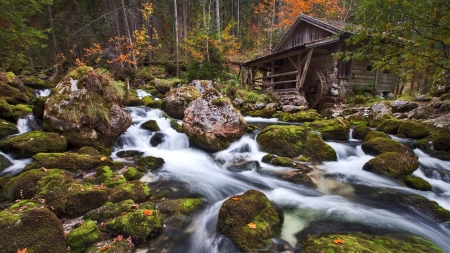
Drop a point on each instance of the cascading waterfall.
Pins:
(337, 197)
(43, 92)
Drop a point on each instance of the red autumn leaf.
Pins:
(25, 250)
(148, 212)
(339, 241)
(235, 198)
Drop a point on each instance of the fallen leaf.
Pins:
(235, 198)
(105, 247)
(251, 225)
(25, 250)
(148, 212)
(103, 158)
(339, 241)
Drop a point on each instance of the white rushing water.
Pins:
(23, 125)
(337, 197)
(43, 92)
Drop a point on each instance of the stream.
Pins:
(346, 198)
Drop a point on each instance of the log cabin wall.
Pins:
(364, 78)
(302, 34)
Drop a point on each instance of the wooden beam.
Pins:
(277, 75)
(280, 82)
(293, 63)
(305, 69)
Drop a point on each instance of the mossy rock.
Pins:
(4, 162)
(416, 183)
(267, 112)
(292, 141)
(331, 129)
(110, 210)
(84, 198)
(441, 140)
(394, 164)
(177, 100)
(135, 190)
(35, 82)
(83, 236)
(108, 178)
(175, 126)
(180, 207)
(111, 246)
(283, 162)
(139, 225)
(163, 86)
(251, 128)
(71, 161)
(129, 153)
(31, 143)
(357, 242)
(149, 163)
(377, 146)
(302, 116)
(28, 225)
(12, 95)
(151, 125)
(360, 132)
(132, 174)
(7, 128)
(5, 109)
(376, 134)
(428, 207)
(413, 130)
(268, 158)
(19, 111)
(389, 126)
(151, 102)
(249, 220)
(88, 151)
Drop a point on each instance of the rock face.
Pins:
(212, 122)
(201, 85)
(86, 108)
(31, 143)
(402, 106)
(249, 220)
(177, 100)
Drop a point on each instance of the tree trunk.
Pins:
(128, 32)
(176, 34)
(238, 18)
(218, 18)
(55, 52)
(185, 17)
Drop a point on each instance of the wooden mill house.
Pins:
(302, 62)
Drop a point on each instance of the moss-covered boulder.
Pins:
(389, 126)
(175, 126)
(267, 158)
(267, 111)
(24, 184)
(331, 129)
(31, 143)
(151, 102)
(163, 86)
(292, 141)
(71, 161)
(86, 107)
(416, 183)
(426, 206)
(5, 162)
(413, 130)
(151, 125)
(360, 132)
(12, 95)
(376, 134)
(139, 225)
(177, 100)
(357, 242)
(5, 109)
(394, 164)
(180, 207)
(29, 225)
(135, 190)
(130, 153)
(35, 82)
(110, 210)
(249, 220)
(301, 116)
(7, 128)
(112, 246)
(283, 162)
(441, 140)
(377, 146)
(108, 178)
(150, 163)
(83, 236)
(132, 174)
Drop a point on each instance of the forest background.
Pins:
(203, 38)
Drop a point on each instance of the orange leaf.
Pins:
(148, 212)
(103, 158)
(235, 198)
(25, 250)
(105, 247)
(339, 241)
(119, 238)
(251, 225)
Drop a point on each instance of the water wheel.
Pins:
(315, 87)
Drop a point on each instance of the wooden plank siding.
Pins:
(303, 34)
(362, 77)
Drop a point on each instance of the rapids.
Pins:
(346, 196)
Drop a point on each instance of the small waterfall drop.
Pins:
(43, 92)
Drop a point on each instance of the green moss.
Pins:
(135, 190)
(110, 210)
(329, 129)
(413, 130)
(360, 132)
(12, 95)
(283, 162)
(268, 158)
(149, 163)
(446, 96)
(302, 116)
(394, 164)
(31, 143)
(250, 207)
(219, 101)
(7, 128)
(132, 174)
(151, 125)
(151, 102)
(23, 185)
(138, 225)
(377, 146)
(416, 183)
(268, 111)
(83, 198)
(389, 126)
(34, 228)
(376, 134)
(175, 126)
(180, 207)
(83, 236)
(108, 178)
(35, 82)
(18, 111)
(80, 71)
(164, 86)
(441, 140)
(5, 109)
(356, 242)
(292, 141)
(88, 151)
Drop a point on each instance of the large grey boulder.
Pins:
(177, 100)
(402, 106)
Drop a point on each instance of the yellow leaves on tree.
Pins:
(339, 241)
(251, 225)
